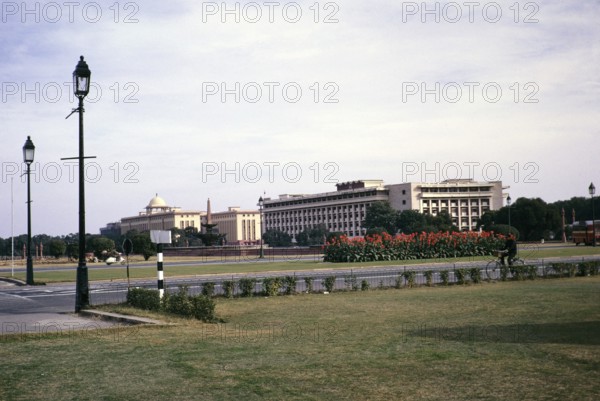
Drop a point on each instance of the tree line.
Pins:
(103, 246)
(68, 245)
(531, 219)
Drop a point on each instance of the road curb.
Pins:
(13, 281)
(116, 317)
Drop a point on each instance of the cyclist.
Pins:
(509, 251)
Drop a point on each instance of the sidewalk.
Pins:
(27, 314)
(43, 323)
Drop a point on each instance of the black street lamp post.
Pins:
(81, 87)
(28, 153)
(508, 202)
(592, 190)
(261, 255)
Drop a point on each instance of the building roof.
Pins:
(156, 202)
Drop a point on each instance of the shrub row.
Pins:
(273, 286)
(200, 307)
(590, 268)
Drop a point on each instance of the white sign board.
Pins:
(160, 236)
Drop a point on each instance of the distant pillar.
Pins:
(208, 212)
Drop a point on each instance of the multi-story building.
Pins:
(464, 200)
(341, 211)
(159, 216)
(242, 227)
(111, 229)
(345, 209)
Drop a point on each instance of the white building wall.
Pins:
(341, 211)
(345, 210)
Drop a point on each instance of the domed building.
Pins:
(239, 227)
(158, 215)
(157, 203)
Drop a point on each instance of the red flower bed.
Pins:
(412, 246)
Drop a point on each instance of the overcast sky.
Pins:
(233, 100)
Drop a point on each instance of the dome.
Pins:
(156, 202)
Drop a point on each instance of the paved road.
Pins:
(41, 309)
(96, 266)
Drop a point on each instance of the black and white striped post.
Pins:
(160, 237)
(159, 270)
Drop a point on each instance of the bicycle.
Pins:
(496, 264)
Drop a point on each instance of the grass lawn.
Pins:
(527, 252)
(533, 340)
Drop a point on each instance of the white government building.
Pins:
(240, 226)
(344, 210)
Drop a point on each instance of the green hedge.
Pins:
(208, 289)
(329, 283)
(410, 277)
(246, 286)
(290, 284)
(308, 281)
(228, 288)
(591, 268)
(199, 307)
(143, 298)
(271, 286)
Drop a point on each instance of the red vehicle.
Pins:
(583, 232)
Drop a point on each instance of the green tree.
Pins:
(100, 245)
(504, 229)
(582, 206)
(191, 232)
(72, 250)
(177, 237)
(277, 238)
(487, 220)
(443, 222)
(381, 214)
(375, 231)
(56, 247)
(142, 245)
(312, 236)
(41, 239)
(335, 235)
(532, 218)
(411, 221)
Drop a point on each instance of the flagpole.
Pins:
(12, 231)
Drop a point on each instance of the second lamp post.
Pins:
(508, 202)
(592, 190)
(28, 153)
(81, 87)
(261, 255)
